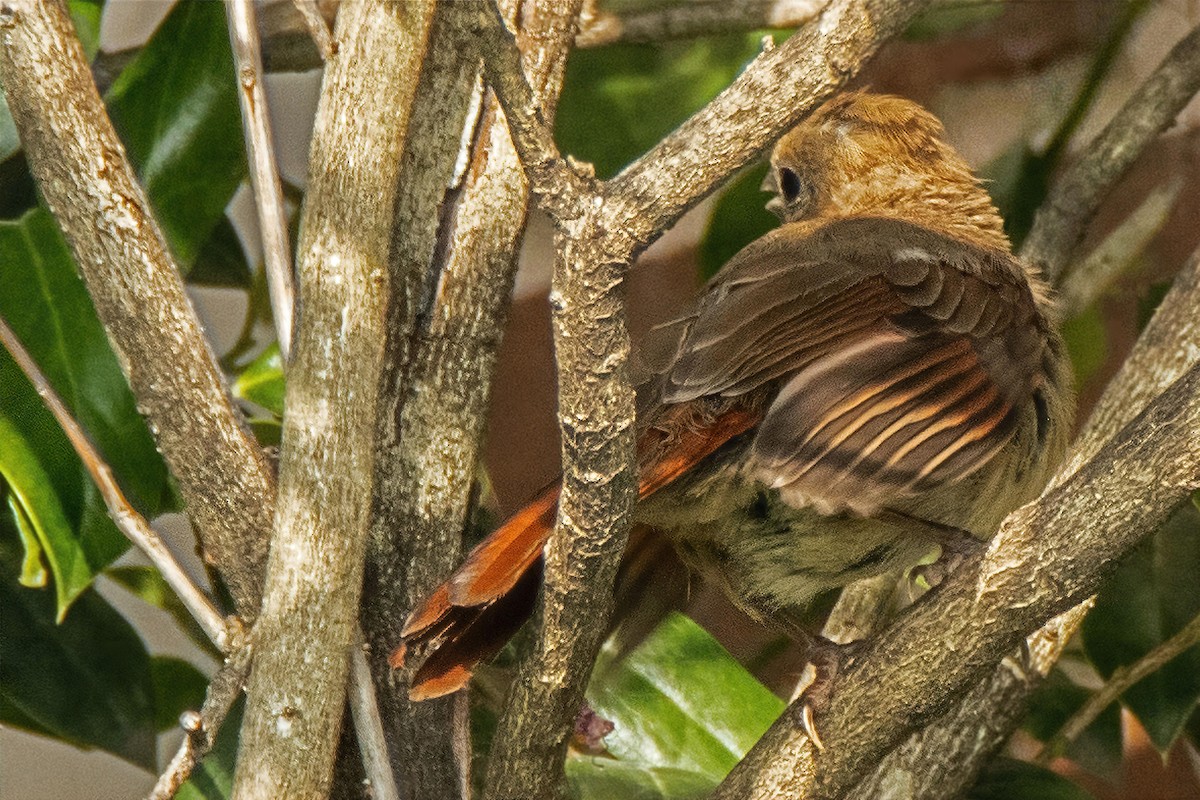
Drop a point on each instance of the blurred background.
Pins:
(1021, 87)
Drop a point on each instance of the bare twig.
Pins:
(1121, 680)
(317, 27)
(264, 174)
(1063, 218)
(90, 187)
(200, 729)
(364, 710)
(696, 18)
(128, 520)
(314, 581)
(1095, 274)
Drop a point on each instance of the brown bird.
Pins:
(876, 377)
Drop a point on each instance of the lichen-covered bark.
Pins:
(297, 693)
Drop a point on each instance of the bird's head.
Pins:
(863, 154)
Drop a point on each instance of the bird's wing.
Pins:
(901, 357)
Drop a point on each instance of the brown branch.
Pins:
(201, 728)
(297, 689)
(415, 540)
(139, 296)
(368, 726)
(317, 27)
(264, 172)
(1121, 680)
(686, 20)
(1063, 218)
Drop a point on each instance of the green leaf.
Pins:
(45, 303)
(679, 703)
(739, 218)
(85, 14)
(148, 585)
(619, 101)
(593, 778)
(212, 779)
(86, 681)
(951, 17)
(1010, 779)
(176, 109)
(40, 520)
(1087, 343)
(262, 381)
(221, 261)
(178, 687)
(1149, 599)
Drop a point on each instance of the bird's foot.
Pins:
(814, 690)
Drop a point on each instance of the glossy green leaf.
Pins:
(176, 109)
(212, 779)
(45, 303)
(40, 520)
(262, 381)
(221, 261)
(619, 101)
(178, 687)
(85, 14)
(595, 778)
(147, 584)
(1010, 779)
(740, 217)
(1150, 597)
(86, 681)
(679, 703)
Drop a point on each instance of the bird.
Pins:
(875, 378)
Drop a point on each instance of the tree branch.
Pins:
(697, 18)
(600, 229)
(139, 296)
(264, 173)
(1121, 680)
(1063, 218)
(200, 729)
(368, 726)
(297, 690)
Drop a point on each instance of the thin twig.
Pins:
(364, 710)
(1121, 680)
(1063, 218)
(264, 173)
(201, 728)
(220, 631)
(687, 20)
(1095, 273)
(317, 27)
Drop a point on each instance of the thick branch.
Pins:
(297, 690)
(1063, 218)
(769, 97)
(696, 18)
(135, 285)
(412, 544)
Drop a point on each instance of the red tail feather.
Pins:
(468, 618)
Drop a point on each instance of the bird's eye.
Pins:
(789, 184)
